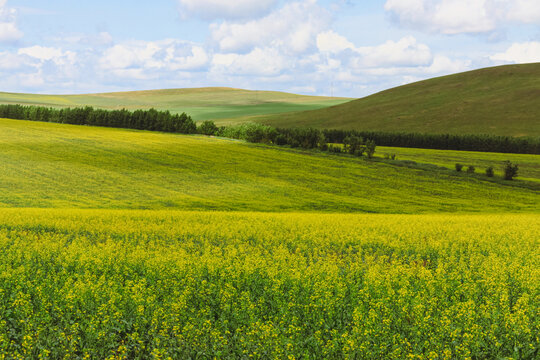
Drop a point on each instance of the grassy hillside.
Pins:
(55, 165)
(529, 165)
(201, 104)
(500, 100)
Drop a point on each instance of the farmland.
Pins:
(64, 166)
(176, 284)
(126, 244)
(223, 104)
(529, 165)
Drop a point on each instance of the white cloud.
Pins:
(10, 61)
(8, 27)
(292, 28)
(444, 65)
(329, 41)
(261, 62)
(140, 54)
(404, 52)
(225, 9)
(527, 11)
(55, 55)
(462, 16)
(41, 53)
(519, 53)
(142, 57)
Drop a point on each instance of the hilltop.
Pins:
(503, 100)
(49, 165)
(201, 103)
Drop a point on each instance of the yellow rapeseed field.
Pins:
(106, 284)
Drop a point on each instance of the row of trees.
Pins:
(155, 120)
(510, 170)
(485, 143)
(306, 138)
(140, 119)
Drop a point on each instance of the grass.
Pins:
(64, 166)
(109, 284)
(529, 165)
(202, 104)
(499, 100)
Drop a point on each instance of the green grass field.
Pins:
(529, 165)
(221, 104)
(500, 101)
(54, 165)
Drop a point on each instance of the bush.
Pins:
(370, 148)
(510, 170)
(470, 169)
(459, 167)
(281, 140)
(393, 156)
(354, 145)
(207, 128)
(489, 171)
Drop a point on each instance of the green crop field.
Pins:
(529, 165)
(125, 244)
(500, 101)
(202, 104)
(55, 165)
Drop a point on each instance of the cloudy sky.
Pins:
(341, 47)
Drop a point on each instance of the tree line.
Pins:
(139, 119)
(484, 143)
(354, 142)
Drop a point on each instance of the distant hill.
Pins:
(503, 100)
(201, 103)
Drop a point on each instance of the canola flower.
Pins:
(105, 284)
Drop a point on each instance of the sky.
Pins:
(347, 48)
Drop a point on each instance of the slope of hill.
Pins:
(66, 166)
(201, 104)
(502, 100)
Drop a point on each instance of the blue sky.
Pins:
(340, 47)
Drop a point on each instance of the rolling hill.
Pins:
(48, 165)
(502, 100)
(202, 103)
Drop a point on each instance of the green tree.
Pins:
(510, 170)
(207, 128)
(370, 148)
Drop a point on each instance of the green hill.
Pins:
(201, 104)
(502, 100)
(46, 165)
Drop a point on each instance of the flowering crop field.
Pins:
(136, 284)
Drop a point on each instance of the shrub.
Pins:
(489, 171)
(207, 128)
(370, 148)
(281, 140)
(459, 167)
(387, 156)
(471, 169)
(393, 156)
(354, 144)
(334, 148)
(510, 170)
